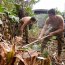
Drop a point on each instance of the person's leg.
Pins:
(43, 45)
(25, 35)
(60, 42)
(59, 51)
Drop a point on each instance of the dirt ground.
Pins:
(54, 46)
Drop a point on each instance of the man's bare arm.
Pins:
(57, 31)
(24, 25)
(43, 31)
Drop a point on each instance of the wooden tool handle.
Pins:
(35, 41)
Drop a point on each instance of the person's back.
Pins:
(26, 19)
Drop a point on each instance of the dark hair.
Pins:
(51, 11)
(33, 19)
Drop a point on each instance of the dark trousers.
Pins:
(25, 35)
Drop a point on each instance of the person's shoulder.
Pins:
(59, 16)
(26, 19)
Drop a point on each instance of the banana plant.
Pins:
(9, 54)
